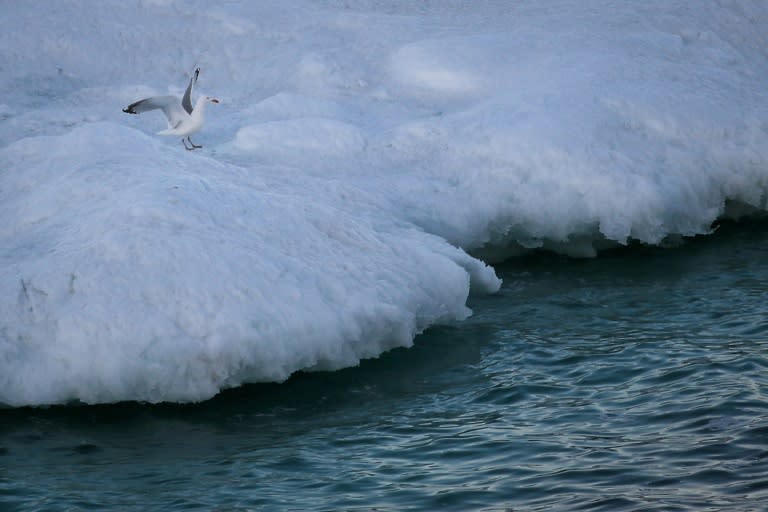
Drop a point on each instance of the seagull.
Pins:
(183, 118)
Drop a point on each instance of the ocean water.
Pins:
(633, 381)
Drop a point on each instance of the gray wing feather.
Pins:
(168, 104)
(186, 101)
(148, 104)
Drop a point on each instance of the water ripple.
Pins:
(633, 382)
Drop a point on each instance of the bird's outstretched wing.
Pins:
(168, 104)
(186, 101)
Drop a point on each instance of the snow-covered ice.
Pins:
(366, 162)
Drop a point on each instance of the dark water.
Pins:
(634, 381)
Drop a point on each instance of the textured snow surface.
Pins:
(367, 158)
